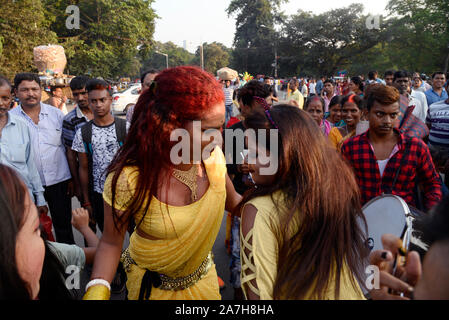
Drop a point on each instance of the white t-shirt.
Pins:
(312, 88)
(104, 148)
(419, 100)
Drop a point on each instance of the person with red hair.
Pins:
(177, 208)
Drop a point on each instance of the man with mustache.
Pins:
(45, 125)
(385, 160)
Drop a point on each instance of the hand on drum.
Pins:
(405, 277)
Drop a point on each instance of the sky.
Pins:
(197, 21)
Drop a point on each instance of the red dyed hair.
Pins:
(178, 95)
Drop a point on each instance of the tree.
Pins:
(216, 56)
(114, 36)
(324, 43)
(255, 35)
(421, 34)
(22, 27)
(177, 56)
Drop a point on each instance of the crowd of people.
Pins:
(296, 233)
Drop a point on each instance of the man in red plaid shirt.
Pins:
(385, 160)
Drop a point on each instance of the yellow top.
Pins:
(298, 97)
(261, 263)
(186, 234)
(336, 139)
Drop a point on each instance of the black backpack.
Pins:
(86, 133)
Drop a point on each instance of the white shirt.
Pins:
(46, 138)
(312, 88)
(304, 91)
(419, 100)
(104, 148)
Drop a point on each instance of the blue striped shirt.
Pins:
(438, 117)
(16, 152)
(48, 149)
(74, 120)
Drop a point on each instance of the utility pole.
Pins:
(166, 56)
(202, 56)
(275, 62)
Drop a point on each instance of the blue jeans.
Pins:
(228, 114)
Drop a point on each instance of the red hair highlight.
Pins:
(177, 96)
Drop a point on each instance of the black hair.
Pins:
(434, 227)
(389, 73)
(438, 72)
(336, 100)
(439, 154)
(79, 83)
(53, 88)
(269, 88)
(329, 81)
(309, 101)
(144, 74)
(356, 98)
(250, 90)
(5, 82)
(12, 208)
(358, 82)
(98, 84)
(266, 78)
(371, 75)
(401, 74)
(26, 76)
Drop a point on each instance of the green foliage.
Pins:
(420, 35)
(23, 26)
(216, 56)
(177, 56)
(324, 43)
(113, 38)
(255, 34)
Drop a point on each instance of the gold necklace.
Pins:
(189, 179)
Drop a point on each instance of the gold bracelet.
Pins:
(97, 292)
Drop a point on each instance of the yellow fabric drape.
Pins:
(186, 234)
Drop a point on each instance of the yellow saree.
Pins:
(187, 234)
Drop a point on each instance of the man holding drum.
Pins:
(385, 161)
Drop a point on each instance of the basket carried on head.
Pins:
(50, 59)
(227, 74)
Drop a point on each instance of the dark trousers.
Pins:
(98, 209)
(60, 205)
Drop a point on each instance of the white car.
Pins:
(122, 101)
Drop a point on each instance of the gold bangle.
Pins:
(97, 292)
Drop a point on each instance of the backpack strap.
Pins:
(120, 130)
(86, 133)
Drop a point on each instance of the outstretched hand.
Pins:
(405, 277)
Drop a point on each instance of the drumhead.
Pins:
(385, 214)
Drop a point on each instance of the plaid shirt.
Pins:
(417, 166)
